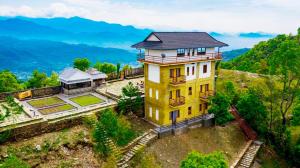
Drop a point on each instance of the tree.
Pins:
(296, 116)
(81, 63)
(52, 80)
(131, 100)
(252, 109)
(37, 80)
(231, 92)
(106, 68)
(9, 82)
(285, 63)
(199, 160)
(219, 107)
(118, 69)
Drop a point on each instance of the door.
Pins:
(173, 116)
(177, 72)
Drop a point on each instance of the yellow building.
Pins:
(179, 74)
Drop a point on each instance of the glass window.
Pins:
(180, 52)
(204, 68)
(188, 71)
(190, 90)
(201, 51)
(190, 110)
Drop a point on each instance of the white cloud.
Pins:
(274, 16)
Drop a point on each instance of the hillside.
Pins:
(258, 59)
(229, 55)
(23, 56)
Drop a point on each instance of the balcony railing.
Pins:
(177, 80)
(178, 59)
(177, 101)
(206, 94)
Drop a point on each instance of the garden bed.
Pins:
(86, 100)
(46, 102)
(56, 109)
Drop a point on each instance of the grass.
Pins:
(295, 133)
(86, 100)
(56, 109)
(49, 101)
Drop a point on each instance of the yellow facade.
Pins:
(158, 95)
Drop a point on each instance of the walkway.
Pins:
(249, 156)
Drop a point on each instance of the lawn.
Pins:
(56, 109)
(49, 101)
(86, 100)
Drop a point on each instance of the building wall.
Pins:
(173, 52)
(160, 102)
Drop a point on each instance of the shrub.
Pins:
(14, 162)
(219, 107)
(296, 116)
(199, 160)
(4, 136)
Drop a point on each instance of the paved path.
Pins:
(249, 156)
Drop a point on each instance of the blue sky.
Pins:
(230, 16)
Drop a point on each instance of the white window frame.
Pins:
(150, 92)
(150, 111)
(157, 114)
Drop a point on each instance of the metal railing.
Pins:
(177, 101)
(178, 59)
(177, 80)
(206, 94)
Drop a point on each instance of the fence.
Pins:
(128, 73)
(40, 92)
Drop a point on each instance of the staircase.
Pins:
(146, 138)
(249, 156)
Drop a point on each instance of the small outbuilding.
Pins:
(74, 81)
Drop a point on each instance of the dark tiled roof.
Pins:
(175, 40)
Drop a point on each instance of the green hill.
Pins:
(258, 59)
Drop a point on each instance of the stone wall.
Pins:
(40, 92)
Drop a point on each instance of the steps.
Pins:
(249, 156)
(147, 138)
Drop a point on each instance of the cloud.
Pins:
(274, 16)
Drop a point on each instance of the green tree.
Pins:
(81, 63)
(230, 91)
(252, 109)
(37, 80)
(106, 68)
(199, 160)
(100, 138)
(296, 116)
(118, 69)
(52, 80)
(131, 100)
(219, 107)
(9, 82)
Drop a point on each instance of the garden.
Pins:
(86, 100)
(10, 108)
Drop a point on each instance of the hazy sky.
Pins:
(272, 16)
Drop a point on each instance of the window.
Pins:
(171, 95)
(178, 72)
(205, 106)
(188, 52)
(156, 94)
(206, 87)
(177, 93)
(193, 70)
(178, 114)
(171, 73)
(193, 52)
(150, 111)
(150, 92)
(201, 51)
(190, 90)
(204, 68)
(180, 52)
(188, 71)
(157, 114)
(189, 110)
(200, 107)
(201, 88)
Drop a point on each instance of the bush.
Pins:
(14, 162)
(252, 109)
(296, 116)
(4, 136)
(219, 107)
(199, 160)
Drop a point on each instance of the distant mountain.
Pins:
(74, 30)
(229, 55)
(23, 56)
(256, 35)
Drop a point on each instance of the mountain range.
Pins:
(50, 44)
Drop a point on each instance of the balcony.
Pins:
(205, 95)
(177, 80)
(178, 59)
(178, 101)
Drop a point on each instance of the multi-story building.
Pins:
(179, 74)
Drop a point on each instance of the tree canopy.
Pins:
(81, 63)
(9, 82)
(105, 67)
(199, 160)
